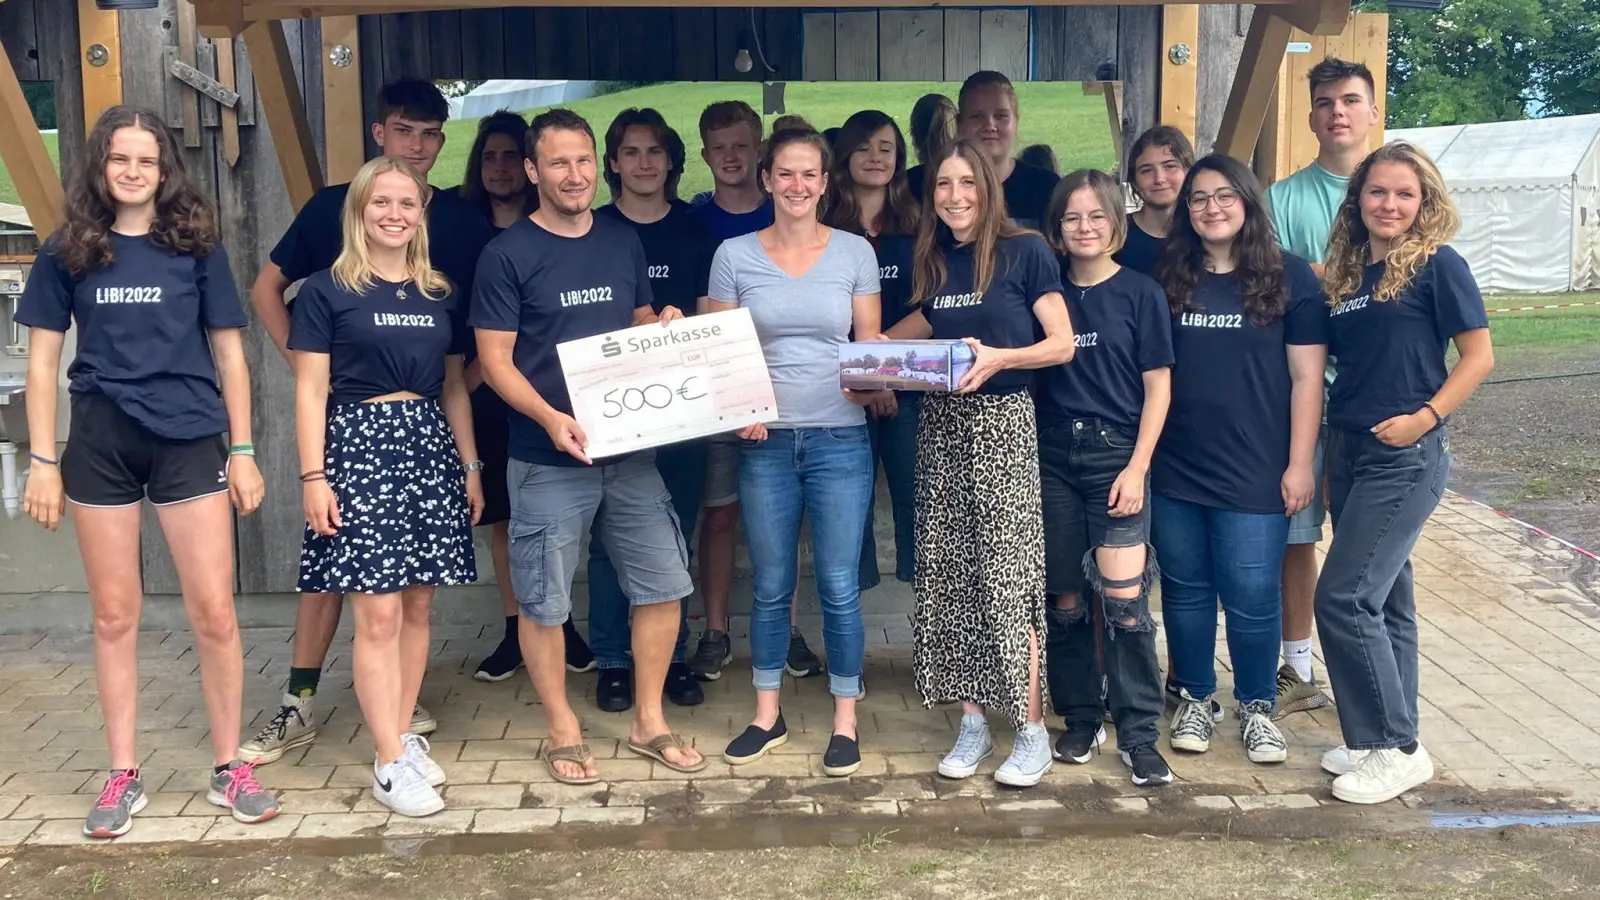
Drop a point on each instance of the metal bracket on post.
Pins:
(772, 98)
(203, 83)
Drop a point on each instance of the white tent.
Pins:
(518, 95)
(1529, 194)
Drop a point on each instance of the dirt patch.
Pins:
(1527, 442)
(1511, 863)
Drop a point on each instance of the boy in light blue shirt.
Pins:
(1303, 206)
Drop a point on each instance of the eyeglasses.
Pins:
(1225, 200)
(1095, 220)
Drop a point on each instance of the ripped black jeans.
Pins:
(1079, 460)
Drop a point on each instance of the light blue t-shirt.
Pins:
(1303, 207)
(801, 321)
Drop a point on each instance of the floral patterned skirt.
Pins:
(402, 503)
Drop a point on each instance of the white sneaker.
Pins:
(422, 721)
(1029, 759)
(1342, 760)
(1192, 724)
(416, 753)
(402, 788)
(973, 746)
(1384, 775)
(293, 726)
(1263, 742)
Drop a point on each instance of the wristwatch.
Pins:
(474, 466)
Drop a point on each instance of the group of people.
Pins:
(1145, 403)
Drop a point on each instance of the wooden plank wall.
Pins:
(916, 44)
(1222, 30)
(254, 212)
(1287, 143)
(34, 32)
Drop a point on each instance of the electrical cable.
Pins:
(755, 35)
(1541, 378)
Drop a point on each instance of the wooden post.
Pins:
(27, 160)
(100, 39)
(1113, 92)
(1253, 84)
(1180, 26)
(344, 128)
(285, 110)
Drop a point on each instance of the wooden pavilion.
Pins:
(304, 69)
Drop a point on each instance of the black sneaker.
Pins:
(802, 662)
(843, 757)
(503, 662)
(681, 688)
(614, 690)
(1077, 747)
(714, 652)
(755, 743)
(1147, 765)
(579, 657)
(1175, 699)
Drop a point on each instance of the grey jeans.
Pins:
(1366, 606)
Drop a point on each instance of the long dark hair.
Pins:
(504, 122)
(843, 210)
(185, 223)
(930, 270)
(1257, 261)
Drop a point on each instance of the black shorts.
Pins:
(111, 460)
(493, 435)
(1079, 460)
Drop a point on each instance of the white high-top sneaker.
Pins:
(1030, 757)
(293, 726)
(973, 746)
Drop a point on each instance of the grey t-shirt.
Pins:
(801, 321)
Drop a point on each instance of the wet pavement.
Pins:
(1510, 687)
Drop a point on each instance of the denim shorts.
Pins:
(553, 507)
(1305, 526)
(722, 471)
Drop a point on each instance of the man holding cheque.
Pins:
(563, 274)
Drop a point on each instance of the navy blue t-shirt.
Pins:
(550, 289)
(142, 323)
(1001, 316)
(677, 251)
(1391, 354)
(725, 225)
(1123, 329)
(457, 233)
(384, 341)
(1226, 441)
(1027, 192)
(1141, 251)
(896, 257)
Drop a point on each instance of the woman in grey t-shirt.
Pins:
(806, 286)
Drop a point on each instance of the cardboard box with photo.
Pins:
(903, 365)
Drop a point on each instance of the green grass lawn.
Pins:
(1544, 327)
(1054, 114)
(8, 191)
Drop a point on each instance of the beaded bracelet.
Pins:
(1437, 419)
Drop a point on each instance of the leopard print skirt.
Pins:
(979, 582)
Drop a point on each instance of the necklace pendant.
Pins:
(400, 294)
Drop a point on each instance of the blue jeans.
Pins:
(683, 471)
(894, 447)
(826, 475)
(1380, 496)
(1210, 554)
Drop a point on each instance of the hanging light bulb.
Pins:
(742, 62)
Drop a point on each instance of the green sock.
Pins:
(303, 682)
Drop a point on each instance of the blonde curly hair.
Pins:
(1436, 224)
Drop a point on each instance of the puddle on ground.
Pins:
(1506, 820)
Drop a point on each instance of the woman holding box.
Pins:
(980, 580)
(1099, 419)
(807, 286)
(390, 472)
(1398, 294)
(868, 195)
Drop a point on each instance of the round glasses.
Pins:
(1225, 200)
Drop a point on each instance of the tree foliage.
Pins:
(1493, 60)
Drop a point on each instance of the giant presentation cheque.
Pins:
(654, 385)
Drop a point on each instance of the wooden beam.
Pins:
(1317, 16)
(1180, 81)
(27, 160)
(284, 109)
(1253, 85)
(188, 32)
(102, 83)
(1113, 94)
(344, 128)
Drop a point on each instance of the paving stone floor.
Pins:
(1510, 706)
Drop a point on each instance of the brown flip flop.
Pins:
(656, 750)
(573, 753)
